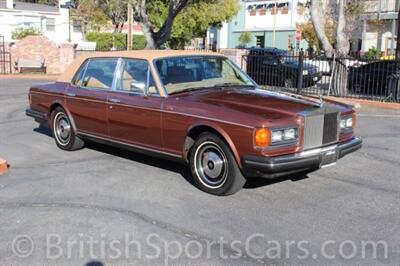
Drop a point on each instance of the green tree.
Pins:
(194, 19)
(117, 12)
(178, 21)
(91, 17)
(308, 34)
(20, 33)
(245, 38)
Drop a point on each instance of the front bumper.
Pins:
(38, 116)
(270, 167)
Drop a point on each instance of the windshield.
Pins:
(288, 59)
(185, 73)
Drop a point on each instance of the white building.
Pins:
(379, 26)
(51, 21)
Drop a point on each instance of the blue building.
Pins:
(273, 23)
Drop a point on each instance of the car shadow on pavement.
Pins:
(261, 182)
(172, 166)
(43, 130)
(94, 263)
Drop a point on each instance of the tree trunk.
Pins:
(157, 39)
(317, 18)
(340, 74)
(342, 43)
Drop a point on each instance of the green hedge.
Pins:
(138, 42)
(20, 33)
(104, 41)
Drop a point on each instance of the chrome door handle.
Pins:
(114, 100)
(71, 94)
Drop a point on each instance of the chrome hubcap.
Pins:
(62, 128)
(211, 165)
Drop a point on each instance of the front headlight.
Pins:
(264, 137)
(280, 136)
(347, 122)
(305, 72)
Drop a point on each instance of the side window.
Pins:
(78, 78)
(134, 77)
(100, 73)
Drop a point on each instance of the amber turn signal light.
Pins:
(262, 137)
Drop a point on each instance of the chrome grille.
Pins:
(320, 129)
(330, 128)
(313, 131)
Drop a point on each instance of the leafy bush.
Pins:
(106, 41)
(138, 42)
(245, 38)
(373, 53)
(20, 33)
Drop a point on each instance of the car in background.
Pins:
(195, 107)
(276, 67)
(373, 79)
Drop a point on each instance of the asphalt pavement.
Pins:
(105, 206)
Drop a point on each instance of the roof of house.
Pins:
(148, 55)
(29, 7)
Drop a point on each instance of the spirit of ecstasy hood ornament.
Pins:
(321, 101)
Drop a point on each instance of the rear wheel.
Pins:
(63, 131)
(213, 166)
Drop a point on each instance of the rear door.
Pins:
(87, 95)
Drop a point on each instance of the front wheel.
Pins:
(63, 131)
(213, 166)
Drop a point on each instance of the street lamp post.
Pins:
(69, 5)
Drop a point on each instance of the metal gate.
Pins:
(5, 58)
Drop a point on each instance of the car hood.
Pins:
(259, 102)
(306, 66)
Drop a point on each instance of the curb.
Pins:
(4, 166)
(356, 103)
(27, 76)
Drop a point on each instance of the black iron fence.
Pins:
(318, 75)
(5, 58)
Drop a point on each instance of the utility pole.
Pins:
(398, 36)
(130, 17)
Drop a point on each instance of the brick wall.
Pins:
(235, 55)
(57, 56)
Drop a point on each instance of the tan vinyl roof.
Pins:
(148, 55)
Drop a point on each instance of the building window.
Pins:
(50, 24)
(76, 26)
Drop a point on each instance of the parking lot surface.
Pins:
(105, 206)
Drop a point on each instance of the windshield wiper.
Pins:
(188, 90)
(231, 84)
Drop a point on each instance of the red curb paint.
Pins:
(367, 103)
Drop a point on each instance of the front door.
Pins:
(87, 95)
(134, 107)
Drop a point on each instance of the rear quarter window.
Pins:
(96, 73)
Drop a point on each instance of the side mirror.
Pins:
(139, 86)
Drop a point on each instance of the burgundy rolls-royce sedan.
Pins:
(197, 107)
